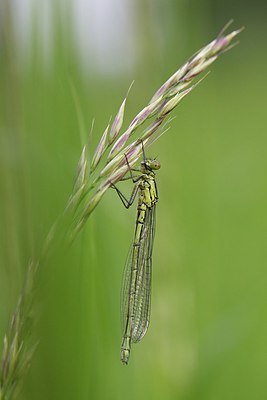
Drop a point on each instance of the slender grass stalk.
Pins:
(107, 166)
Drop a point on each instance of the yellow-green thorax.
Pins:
(148, 195)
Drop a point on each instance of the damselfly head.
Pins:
(150, 164)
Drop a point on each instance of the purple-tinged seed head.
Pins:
(117, 123)
(99, 149)
(118, 145)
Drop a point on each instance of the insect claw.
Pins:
(111, 184)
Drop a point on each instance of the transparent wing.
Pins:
(142, 296)
(142, 303)
(125, 289)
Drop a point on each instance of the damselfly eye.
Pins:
(150, 164)
(155, 164)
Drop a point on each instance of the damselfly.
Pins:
(136, 285)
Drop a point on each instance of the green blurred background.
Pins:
(208, 333)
